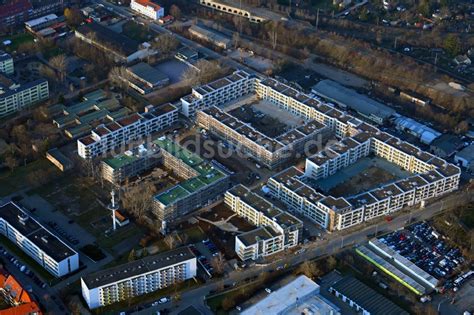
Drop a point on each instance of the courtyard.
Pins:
(365, 174)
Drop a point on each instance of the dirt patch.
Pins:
(363, 181)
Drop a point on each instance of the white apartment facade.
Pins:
(17, 97)
(232, 9)
(216, 93)
(134, 127)
(139, 277)
(276, 229)
(37, 241)
(147, 8)
(6, 63)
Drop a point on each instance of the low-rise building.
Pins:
(148, 8)
(277, 230)
(117, 134)
(211, 36)
(41, 22)
(16, 97)
(36, 241)
(300, 296)
(144, 78)
(59, 160)
(96, 107)
(121, 48)
(465, 157)
(6, 63)
(348, 98)
(242, 11)
(139, 277)
(363, 299)
(446, 145)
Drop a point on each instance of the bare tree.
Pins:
(59, 63)
(119, 77)
(166, 44)
(175, 11)
(331, 263)
(218, 263)
(203, 72)
(138, 199)
(309, 269)
(171, 241)
(11, 162)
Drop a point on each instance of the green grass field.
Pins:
(10, 182)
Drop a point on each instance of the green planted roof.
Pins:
(170, 196)
(120, 161)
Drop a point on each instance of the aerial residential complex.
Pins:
(271, 152)
(37, 241)
(6, 63)
(277, 230)
(203, 182)
(148, 8)
(431, 177)
(139, 277)
(121, 132)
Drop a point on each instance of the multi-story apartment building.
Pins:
(139, 277)
(203, 182)
(216, 93)
(130, 163)
(16, 97)
(37, 241)
(277, 230)
(148, 8)
(6, 63)
(271, 152)
(431, 177)
(116, 134)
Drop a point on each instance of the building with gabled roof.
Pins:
(148, 8)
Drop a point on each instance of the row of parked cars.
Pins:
(423, 246)
(205, 263)
(61, 232)
(22, 267)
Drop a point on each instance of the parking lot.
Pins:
(205, 252)
(423, 246)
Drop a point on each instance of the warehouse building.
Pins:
(144, 78)
(363, 299)
(300, 296)
(348, 98)
(120, 47)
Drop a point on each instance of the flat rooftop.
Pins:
(138, 267)
(35, 232)
(366, 297)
